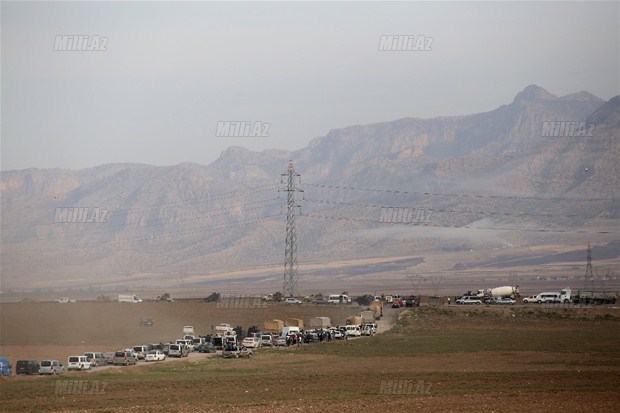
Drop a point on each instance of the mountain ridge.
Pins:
(493, 169)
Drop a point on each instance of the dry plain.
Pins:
(458, 359)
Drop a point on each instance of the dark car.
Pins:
(395, 304)
(27, 367)
(206, 348)
(320, 301)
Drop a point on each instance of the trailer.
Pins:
(595, 297)
(367, 316)
(319, 323)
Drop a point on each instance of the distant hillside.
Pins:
(457, 175)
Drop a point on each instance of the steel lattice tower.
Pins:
(291, 276)
(588, 270)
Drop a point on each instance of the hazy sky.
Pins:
(172, 71)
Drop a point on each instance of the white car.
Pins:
(51, 367)
(279, 342)
(133, 353)
(155, 355)
(266, 340)
(251, 342)
(469, 300)
(291, 300)
(78, 363)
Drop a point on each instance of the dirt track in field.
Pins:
(55, 331)
(461, 358)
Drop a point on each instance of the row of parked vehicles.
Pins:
(86, 361)
(225, 340)
(52, 367)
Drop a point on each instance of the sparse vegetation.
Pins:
(499, 358)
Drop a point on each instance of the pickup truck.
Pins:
(236, 352)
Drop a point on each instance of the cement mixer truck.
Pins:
(505, 291)
(493, 294)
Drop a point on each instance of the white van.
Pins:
(338, 299)
(289, 330)
(353, 331)
(78, 363)
(548, 298)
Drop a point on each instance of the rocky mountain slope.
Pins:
(489, 180)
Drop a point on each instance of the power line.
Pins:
(163, 207)
(431, 209)
(147, 237)
(456, 195)
(425, 224)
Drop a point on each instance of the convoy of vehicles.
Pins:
(225, 337)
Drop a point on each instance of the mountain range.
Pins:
(539, 173)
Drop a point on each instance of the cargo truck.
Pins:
(595, 297)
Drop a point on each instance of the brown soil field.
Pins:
(43, 330)
(453, 359)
